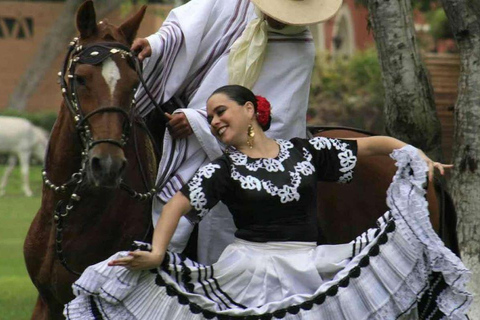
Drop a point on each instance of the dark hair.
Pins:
(241, 95)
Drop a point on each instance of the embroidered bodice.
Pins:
(272, 199)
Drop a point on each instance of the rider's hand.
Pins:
(178, 126)
(432, 165)
(142, 46)
(139, 260)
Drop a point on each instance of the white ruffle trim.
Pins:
(388, 286)
(412, 218)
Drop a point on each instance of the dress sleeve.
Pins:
(333, 159)
(208, 186)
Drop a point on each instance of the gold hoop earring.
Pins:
(250, 136)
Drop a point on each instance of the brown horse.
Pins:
(346, 210)
(96, 147)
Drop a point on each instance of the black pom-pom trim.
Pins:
(319, 299)
(280, 314)
(171, 290)
(182, 299)
(332, 291)
(293, 309)
(195, 308)
(208, 314)
(382, 239)
(374, 250)
(364, 262)
(391, 226)
(344, 282)
(355, 272)
(307, 305)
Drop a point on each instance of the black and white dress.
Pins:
(274, 269)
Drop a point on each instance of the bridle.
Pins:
(94, 54)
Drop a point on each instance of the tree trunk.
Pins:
(475, 7)
(465, 181)
(410, 113)
(54, 42)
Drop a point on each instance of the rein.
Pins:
(95, 54)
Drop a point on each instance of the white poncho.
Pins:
(189, 60)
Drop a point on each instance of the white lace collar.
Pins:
(269, 164)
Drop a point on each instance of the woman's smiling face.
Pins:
(229, 120)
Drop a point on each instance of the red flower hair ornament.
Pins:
(263, 111)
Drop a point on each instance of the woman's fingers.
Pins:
(125, 261)
(138, 260)
(432, 165)
(439, 166)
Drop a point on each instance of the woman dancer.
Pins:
(274, 269)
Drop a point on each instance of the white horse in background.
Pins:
(21, 139)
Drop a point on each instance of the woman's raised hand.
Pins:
(432, 165)
(139, 260)
(142, 46)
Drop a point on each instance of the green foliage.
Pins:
(126, 6)
(439, 27)
(424, 5)
(348, 92)
(17, 293)
(44, 119)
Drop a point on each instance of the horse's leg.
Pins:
(24, 165)
(47, 311)
(12, 161)
(40, 311)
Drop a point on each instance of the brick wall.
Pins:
(22, 28)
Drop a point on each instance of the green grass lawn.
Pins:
(17, 293)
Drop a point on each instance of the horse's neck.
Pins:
(64, 150)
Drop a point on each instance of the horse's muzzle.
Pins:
(106, 169)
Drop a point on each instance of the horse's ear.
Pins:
(129, 28)
(86, 20)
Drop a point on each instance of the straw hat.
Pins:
(299, 12)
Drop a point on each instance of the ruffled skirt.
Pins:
(399, 270)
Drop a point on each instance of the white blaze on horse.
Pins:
(21, 139)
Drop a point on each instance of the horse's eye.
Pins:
(80, 80)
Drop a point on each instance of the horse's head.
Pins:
(101, 87)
